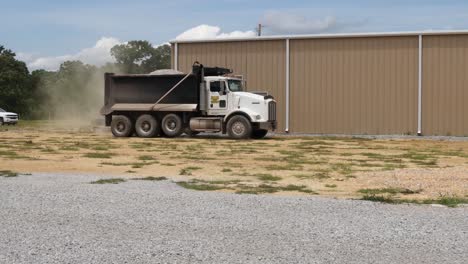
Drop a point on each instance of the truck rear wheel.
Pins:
(239, 127)
(147, 126)
(172, 125)
(259, 133)
(121, 126)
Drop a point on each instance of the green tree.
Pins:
(15, 83)
(139, 56)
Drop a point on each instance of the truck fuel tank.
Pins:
(211, 124)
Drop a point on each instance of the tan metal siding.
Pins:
(261, 63)
(445, 84)
(354, 85)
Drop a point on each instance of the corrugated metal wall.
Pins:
(354, 85)
(360, 85)
(261, 63)
(445, 85)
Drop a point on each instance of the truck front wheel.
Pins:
(147, 126)
(239, 127)
(121, 126)
(172, 125)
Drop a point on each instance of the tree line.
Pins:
(75, 90)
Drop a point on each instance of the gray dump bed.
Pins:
(140, 92)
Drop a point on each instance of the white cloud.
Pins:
(97, 55)
(289, 23)
(212, 32)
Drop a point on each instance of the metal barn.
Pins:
(376, 83)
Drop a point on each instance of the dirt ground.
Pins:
(342, 167)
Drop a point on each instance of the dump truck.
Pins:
(208, 99)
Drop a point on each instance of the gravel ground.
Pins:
(47, 218)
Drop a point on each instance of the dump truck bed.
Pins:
(139, 92)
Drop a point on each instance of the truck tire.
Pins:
(189, 132)
(1, 121)
(172, 125)
(239, 127)
(147, 126)
(121, 126)
(259, 133)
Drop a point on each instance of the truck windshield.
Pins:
(235, 85)
(1, 110)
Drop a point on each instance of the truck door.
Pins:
(218, 97)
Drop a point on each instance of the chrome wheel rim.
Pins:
(120, 127)
(238, 128)
(146, 126)
(171, 125)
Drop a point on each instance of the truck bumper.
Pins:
(269, 125)
(10, 120)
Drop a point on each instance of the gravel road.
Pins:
(47, 218)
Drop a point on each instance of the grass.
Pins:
(289, 166)
(267, 177)
(317, 176)
(8, 173)
(330, 185)
(108, 181)
(389, 191)
(11, 155)
(226, 170)
(449, 201)
(146, 157)
(151, 178)
(266, 188)
(200, 186)
(188, 170)
(98, 155)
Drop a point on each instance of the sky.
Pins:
(44, 33)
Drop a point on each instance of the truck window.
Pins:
(215, 86)
(235, 85)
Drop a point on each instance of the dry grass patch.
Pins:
(266, 166)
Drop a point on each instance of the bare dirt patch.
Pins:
(328, 166)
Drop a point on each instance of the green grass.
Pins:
(108, 181)
(69, 148)
(226, 170)
(11, 155)
(389, 191)
(100, 148)
(267, 177)
(342, 168)
(146, 157)
(199, 186)
(98, 155)
(317, 176)
(8, 173)
(289, 166)
(330, 185)
(266, 188)
(151, 178)
(188, 170)
(449, 201)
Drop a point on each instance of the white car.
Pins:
(8, 117)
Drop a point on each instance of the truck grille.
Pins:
(272, 111)
(12, 116)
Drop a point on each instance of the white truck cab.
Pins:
(226, 95)
(8, 118)
(228, 107)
